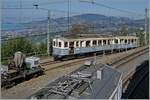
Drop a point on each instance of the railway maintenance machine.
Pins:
(19, 69)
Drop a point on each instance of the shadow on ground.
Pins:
(138, 87)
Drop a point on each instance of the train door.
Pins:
(71, 47)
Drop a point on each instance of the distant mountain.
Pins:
(88, 18)
(102, 23)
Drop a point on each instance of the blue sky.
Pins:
(77, 7)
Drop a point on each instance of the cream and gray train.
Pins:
(65, 47)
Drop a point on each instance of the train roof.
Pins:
(83, 83)
(95, 36)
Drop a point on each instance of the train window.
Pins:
(54, 43)
(66, 44)
(116, 41)
(135, 40)
(121, 40)
(108, 42)
(94, 43)
(104, 42)
(87, 43)
(99, 42)
(132, 41)
(81, 44)
(128, 41)
(71, 44)
(125, 41)
(59, 44)
(77, 44)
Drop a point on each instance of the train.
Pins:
(74, 47)
(19, 69)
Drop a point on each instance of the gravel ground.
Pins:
(132, 65)
(25, 89)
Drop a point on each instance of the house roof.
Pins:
(92, 37)
(83, 83)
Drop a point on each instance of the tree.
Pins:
(20, 44)
(42, 47)
(8, 48)
(140, 35)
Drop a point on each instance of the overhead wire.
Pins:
(54, 2)
(64, 1)
(118, 9)
(93, 2)
(98, 4)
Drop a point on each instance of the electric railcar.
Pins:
(65, 47)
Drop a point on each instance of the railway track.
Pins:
(49, 63)
(55, 62)
(62, 64)
(127, 77)
(116, 63)
(52, 71)
(127, 58)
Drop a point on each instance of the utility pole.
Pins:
(95, 57)
(148, 24)
(49, 51)
(146, 11)
(48, 33)
(69, 3)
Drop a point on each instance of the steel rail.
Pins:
(79, 61)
